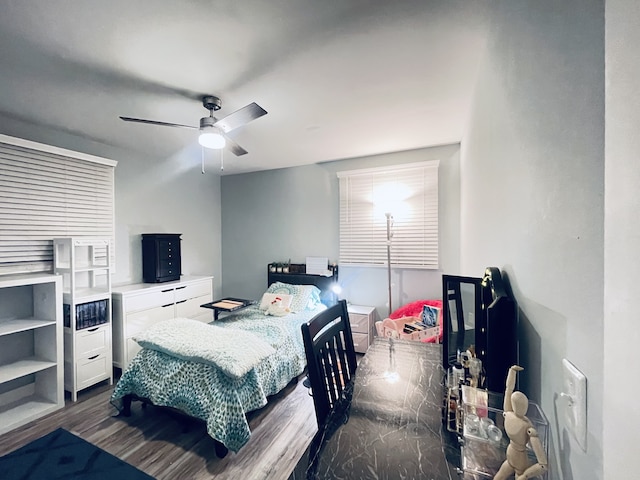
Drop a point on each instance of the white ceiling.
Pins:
(339, 79)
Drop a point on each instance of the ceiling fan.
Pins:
(212, 130)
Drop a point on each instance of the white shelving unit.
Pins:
(84, 263)
(31, 379)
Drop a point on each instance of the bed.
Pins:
(219, 385)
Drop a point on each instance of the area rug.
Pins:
(63, 455)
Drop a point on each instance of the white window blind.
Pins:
(410, 194)
(48, 192)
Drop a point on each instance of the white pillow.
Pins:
(269, 298)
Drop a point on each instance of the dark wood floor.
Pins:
(169, 446)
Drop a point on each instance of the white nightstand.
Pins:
(362, 320)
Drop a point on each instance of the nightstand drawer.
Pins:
(92, 340)
(362, 320)
(359, 323)
(360, 342)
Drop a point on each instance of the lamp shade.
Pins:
(211, 139)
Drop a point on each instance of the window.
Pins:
(409, 194)
(48, 192)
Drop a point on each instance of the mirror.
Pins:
(483, 313)
(461, 302)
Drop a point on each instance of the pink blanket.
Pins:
(414, 309)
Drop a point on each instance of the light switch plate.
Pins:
(575, 387)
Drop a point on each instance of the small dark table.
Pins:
(227, 305)
(392, 428)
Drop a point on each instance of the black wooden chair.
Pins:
(331, 357)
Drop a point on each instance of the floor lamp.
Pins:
(389, 235)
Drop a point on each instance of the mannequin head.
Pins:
(520, 403)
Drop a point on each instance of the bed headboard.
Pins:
(297, 276)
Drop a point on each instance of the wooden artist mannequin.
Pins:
(520, 431)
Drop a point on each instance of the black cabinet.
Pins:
(161, 257)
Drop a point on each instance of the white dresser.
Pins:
(140, 305)
(362, 320)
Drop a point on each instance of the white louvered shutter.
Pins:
(47, 192)
(410, 194)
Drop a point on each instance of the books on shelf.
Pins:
(87, 314)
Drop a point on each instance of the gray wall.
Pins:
(532, 166)
(151, 195)
(621, 413)
(293, 213)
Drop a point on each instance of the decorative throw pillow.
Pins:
(281, 299)
(315, 301)
(302, 294)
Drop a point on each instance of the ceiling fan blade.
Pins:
(155, 122)
(240, 117)
(236, 149)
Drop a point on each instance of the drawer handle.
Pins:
(181, 301)
(167, 305)
(169, 290)
(92, 329)
(94, 357)
(180, 288)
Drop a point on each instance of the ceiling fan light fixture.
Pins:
(211, 139)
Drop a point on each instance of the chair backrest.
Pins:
(331, 357)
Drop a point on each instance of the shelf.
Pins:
(31, 343)
(23, 367)
(23, 411)
(66, 268)
(7, 327)
(85, 295)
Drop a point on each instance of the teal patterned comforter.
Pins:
(203, 391)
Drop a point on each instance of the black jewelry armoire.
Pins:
(161, 257)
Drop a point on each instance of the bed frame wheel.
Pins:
(221, 450)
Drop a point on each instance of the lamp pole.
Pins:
(389, 235)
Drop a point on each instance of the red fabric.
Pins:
(414, 309)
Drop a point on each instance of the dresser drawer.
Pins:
(168, 248)
(205, 317)
(360, 342)
(193, 290)
(155, 298)
(92, 370)
(191, 308)
(139, 321)
(92, 340)
(132, 349)
(168, 268)
(359, 323)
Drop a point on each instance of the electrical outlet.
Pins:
(575, 390)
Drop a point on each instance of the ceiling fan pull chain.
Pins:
(221, 161)
(202, 158)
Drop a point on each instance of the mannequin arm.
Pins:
(538, 448)
(510, 386)
(539, 468)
